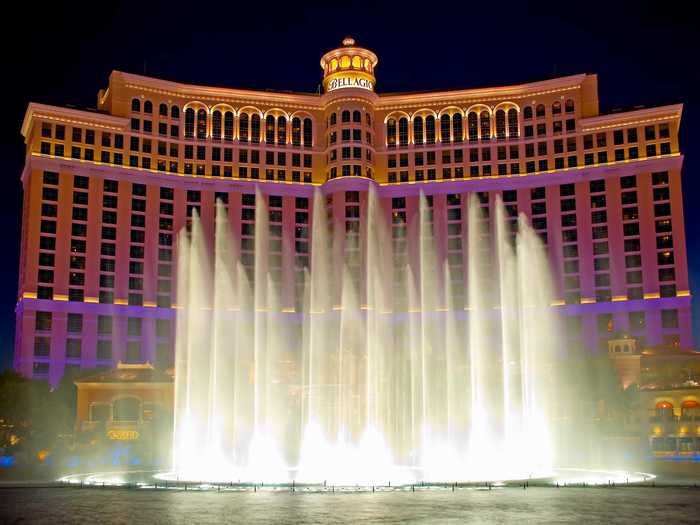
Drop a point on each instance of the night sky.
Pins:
(643, 55)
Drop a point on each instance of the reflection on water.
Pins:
(537, 505)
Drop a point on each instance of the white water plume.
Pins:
(390, 371)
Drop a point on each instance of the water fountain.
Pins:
(382, 375)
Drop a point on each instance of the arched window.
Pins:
(174, 112)
(430, 129)
(357, 116)
(457, 131)
(333, 119)
(485, 125)
(163, 110)
(255, 128)
(148, 107)
(296, 131)
(126, 409)
(243, 127)
(445, 128)
(556, 107)
(527, 112)
(135, 104)
(513, 123)
(473, 126)
(228, 126)
(500, 124)
(403, 131)
(664, 410)
(189, 123)
(202, 124)
(391, 133)
(216, 125)
(308, 133)
(368, 119)
(345, 116)
(270, 130)
(281, 130)
(690, 408)
(569, 105)
(418, 130)
(539, 110)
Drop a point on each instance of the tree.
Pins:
(32, 415)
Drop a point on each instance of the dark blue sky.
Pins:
(643, 54)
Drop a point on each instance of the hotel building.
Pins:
(107, 190)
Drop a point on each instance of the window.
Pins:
(42, 346)
(430, 129)
(134, 326)
(42, 321)
(500, 124)
(472, 126)
(403, 131)
(661, 193)
(73, 348)
(513, 123)
(485, 125)
(599, 217)
(669, 318)
(391, 133)
(216, 124)
(189, 123)
(104, 349)
(104, 324)
(281, 130)
(662, 209)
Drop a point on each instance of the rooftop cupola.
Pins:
(348, 66)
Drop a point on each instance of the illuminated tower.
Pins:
(348, 67)
(350, 133)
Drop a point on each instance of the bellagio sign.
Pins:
(348, 81)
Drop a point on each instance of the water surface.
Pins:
(536, 505)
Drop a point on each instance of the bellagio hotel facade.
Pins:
(107, 190)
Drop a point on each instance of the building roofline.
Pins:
(192, 90)
(636, 115)
(69, 115)
(515, 90)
